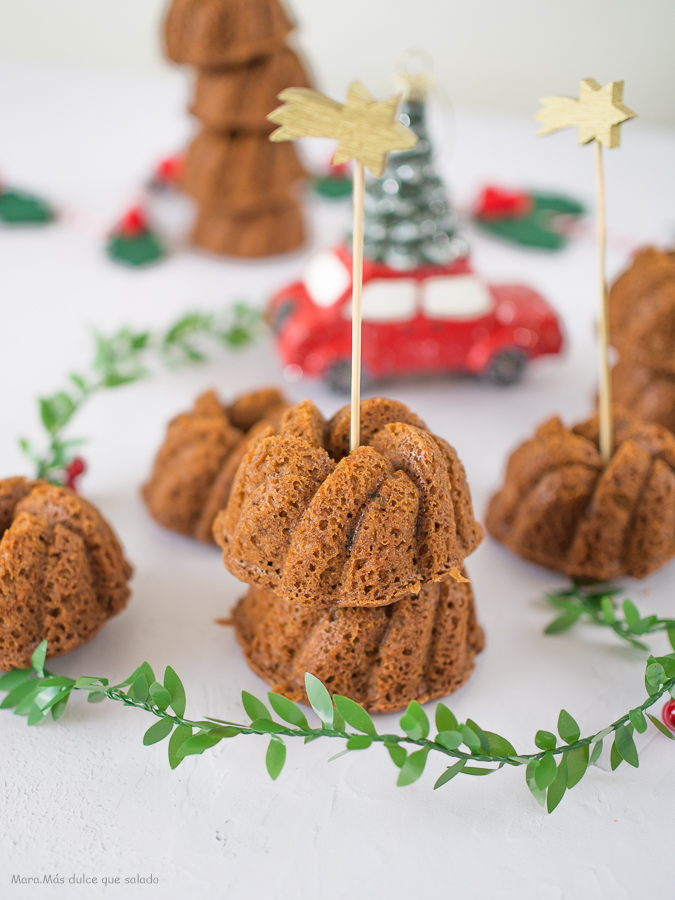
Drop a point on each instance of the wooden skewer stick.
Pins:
(366, 131)
(605, 388)
(598, 113)
(357, 287)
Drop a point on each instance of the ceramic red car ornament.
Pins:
(431, 320)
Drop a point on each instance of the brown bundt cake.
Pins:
(214, 34)
(642, 311)
(239, 99)
(325, 527)
(62, 572)
(645, 393)
(561, 508)
(195, 466)
(241, 173)
(250, 235)
(418, 648)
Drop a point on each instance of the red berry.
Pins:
(668, 715)
(132, 223)
(76, 468)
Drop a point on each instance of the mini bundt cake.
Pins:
(214, 34)
(642, 311)
(62, 572)
(324, 527)
(561, 508)
(419, 648)
(195, 466)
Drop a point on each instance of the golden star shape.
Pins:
(597, 113)
(364, 129)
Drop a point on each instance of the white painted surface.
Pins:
(84, 796)
(497, 55)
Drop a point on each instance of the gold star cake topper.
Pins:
(597, 113)
(366, 130)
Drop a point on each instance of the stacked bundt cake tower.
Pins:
(354, 560)
(243, 183)
(642, 324)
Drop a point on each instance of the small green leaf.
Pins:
(499, 746)
(287, 710)
(538, 794)
(474, 770)
(568, 729)
(319, 699)
(266, 726)
(180, 734)
(413, 767)
(139, 689)
(445, 720)
(95, 697)
(470, 738)
(608, 611)
(397, 753)
(159, 695)
(198, 743)
(359, 742)
(354, 714)
(451, 740)
(145, 669)
(338, 721)
(626, 745)
(596, 754)
(671, 637)
(482, 736)
(18, 694)
(661, 727)
(415, 722)
(615, 758)
(450, 773)
(59, 708)
(275, 757)
(558, 786)
(38, 658)
(637, 720)
(255, 709)
(545, 740)
(13, 679)
(86, 682)
(545, 771)
(174, 686)
(563, 622)
(577, 763)
(157, 732)
(631, 615)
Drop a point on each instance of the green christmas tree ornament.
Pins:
(409, 221)
(22, 208)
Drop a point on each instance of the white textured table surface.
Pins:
(84, 796)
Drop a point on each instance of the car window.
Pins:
(326, 278)
(386, 300)
(456, 297)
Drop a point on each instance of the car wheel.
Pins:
(506, 367)
(338, 377)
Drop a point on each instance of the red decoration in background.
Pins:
(496, 203)
(77, 468)
(668, 715)
(132, 223)
(169, 171)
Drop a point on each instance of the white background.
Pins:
(498, 55)
(83, 796)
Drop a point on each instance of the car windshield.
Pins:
(326, 278)
(456, 297)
